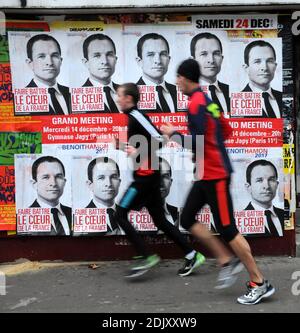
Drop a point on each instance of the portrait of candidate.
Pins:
(171, 212)
(44, 59)
(48, 179)
(207, 50)
(104, 181)
(260, 66)
(153, 57)
(99, 57)
(261, 184)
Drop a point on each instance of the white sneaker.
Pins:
(229, 274)
(256, 293)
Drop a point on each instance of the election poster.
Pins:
(258, 92)
(258, 191)
(43, 195)
(63, 83)
(12, 141)
(98, 182)
(240, 73)
(258, 194)
(96, 69)
(151, 61)
(40, 76)
(7, 198)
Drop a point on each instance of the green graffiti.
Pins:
(18, 143)
(4, 54)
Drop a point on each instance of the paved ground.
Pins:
(78, 288)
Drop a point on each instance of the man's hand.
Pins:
(168, 129)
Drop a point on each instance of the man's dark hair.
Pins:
(41, 160)
(36, 38)
(189, 69)
(203, 35)
(102, 159)
(91, 38)
(251, 45)
(254, 164)
(132, 90)
(143, 39)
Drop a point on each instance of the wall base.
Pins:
(118, 248)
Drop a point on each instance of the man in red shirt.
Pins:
(212, 187)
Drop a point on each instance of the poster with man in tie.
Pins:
(99, 58)
(260, 92)
(207, 49)
(241, 67)
(259, 205)
(39, 73)
(43, 195)
(100, 180)
(151, 62)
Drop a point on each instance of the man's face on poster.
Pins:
(262, 66)
(50, 182)
(46, 61)
(101, 60)
(166, 179)
(106, 182)
(263, 185)
(155, 59)
(209, 56)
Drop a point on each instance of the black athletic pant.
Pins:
(145, 192)
(216, 194)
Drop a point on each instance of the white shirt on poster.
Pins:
(62, 217)
(272, 99)
(113, 92)
(274, 218)
(165, 91)
(219, 94)
(58, 95)
(100, 206)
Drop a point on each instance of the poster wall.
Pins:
(63, 87)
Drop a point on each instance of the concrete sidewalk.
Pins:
(74, 287)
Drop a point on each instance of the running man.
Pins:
(145, 191)
(212, 187)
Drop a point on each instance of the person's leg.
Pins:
(156, 210)
(242, 249)
(195, 201)
(154, 205)
(222, 209)
(131, 197)
(145, 260)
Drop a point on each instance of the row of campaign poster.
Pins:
(64, 113)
